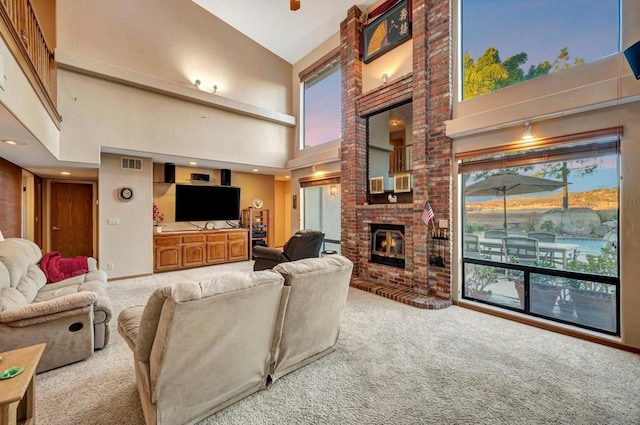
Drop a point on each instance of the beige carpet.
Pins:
(394, 364)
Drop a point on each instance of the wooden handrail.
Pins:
(21, 22)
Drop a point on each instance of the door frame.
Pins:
(46, 245)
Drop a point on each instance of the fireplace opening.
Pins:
(387, 244)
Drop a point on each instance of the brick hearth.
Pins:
(429, 88)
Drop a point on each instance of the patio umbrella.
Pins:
(511, 184)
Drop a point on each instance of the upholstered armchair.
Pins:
(201, 346)
(303, 244)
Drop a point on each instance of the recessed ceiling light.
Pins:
(10, 142)
(287, 177)
(193, 163)
(65, 173)
(255, 170)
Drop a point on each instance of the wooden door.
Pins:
(72, 218)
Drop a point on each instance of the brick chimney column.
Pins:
(353, 147)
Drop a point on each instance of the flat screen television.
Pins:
(207, 203)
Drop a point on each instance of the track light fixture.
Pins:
(197, 83)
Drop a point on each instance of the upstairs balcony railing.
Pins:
(21, 24)
(401, 159)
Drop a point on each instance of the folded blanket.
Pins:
(57, 268)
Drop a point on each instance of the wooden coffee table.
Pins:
(18, 394)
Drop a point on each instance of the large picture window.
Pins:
(505, 42)
(541, 232)
(321, 103)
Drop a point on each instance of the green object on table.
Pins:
(11, 372)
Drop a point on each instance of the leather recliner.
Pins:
(303, 244)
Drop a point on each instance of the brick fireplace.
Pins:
(429, 88)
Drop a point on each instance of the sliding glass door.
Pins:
(321, 210)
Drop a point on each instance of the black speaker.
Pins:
(225, 177)
(633, 57)
(169, 172)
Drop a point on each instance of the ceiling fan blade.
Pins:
(295, 4)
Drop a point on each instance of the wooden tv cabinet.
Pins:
(180, 250)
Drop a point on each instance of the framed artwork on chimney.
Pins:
(390, 30)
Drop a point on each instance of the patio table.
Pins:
(566, 250)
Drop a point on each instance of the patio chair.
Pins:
(494, 234)
(547, 237)
(471, 246)
(520, 250)
(543, 236)
(489, 251)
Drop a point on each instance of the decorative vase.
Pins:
(157, 229)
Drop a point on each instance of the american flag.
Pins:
(427, 213)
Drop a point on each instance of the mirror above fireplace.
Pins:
(389, 154)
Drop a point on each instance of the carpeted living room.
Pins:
(272, 212)
(393, 364)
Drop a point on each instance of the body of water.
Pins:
(586, 245)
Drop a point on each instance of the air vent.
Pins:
(376, 185)
(131, 163)
(402, 183)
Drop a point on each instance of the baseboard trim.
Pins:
(133, 276)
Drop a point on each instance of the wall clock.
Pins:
(125, 194)
(257, 203)
(209, 226)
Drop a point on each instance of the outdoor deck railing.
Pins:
(28, 32)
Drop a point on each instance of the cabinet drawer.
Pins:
(237, 236)
(166, 240)
(193, 238)
(220, 237)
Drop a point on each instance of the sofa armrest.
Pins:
(268, 253)
(45, 309)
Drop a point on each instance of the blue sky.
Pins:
(322, 110)
(540, 28)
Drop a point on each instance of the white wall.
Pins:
(175, 41)
(129, 245)
(100, 113)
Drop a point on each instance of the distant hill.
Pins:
(598, 199)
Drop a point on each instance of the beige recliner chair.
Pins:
(310, 321)
(199, 347)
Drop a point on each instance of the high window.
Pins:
(541, 232)
(505, 42)
(321, 101)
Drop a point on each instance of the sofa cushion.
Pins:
(31, 282)
(102, 307)
(11, 298)
(5, 279)
(17, 255)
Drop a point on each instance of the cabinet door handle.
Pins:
(55, 228)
